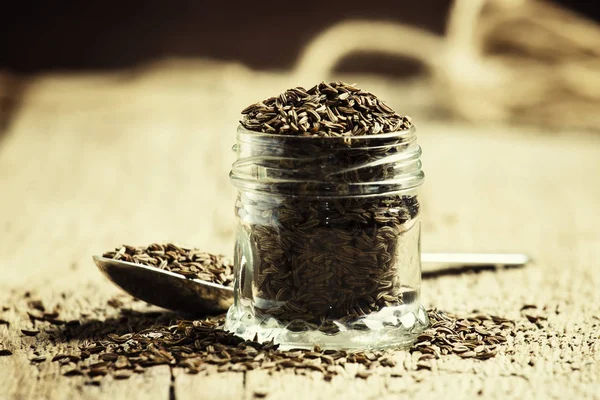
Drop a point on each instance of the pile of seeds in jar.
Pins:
(325, 110)
(319, 258)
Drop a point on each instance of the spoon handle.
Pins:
(505, 259)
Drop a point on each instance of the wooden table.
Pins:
(90, 162)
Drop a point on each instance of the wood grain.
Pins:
(93, 161)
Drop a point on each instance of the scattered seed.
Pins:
(122, 374)
(363, 374)
(73, 372)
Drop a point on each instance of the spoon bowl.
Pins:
(166, 289)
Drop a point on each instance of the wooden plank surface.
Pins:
(90, 162)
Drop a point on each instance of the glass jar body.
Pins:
(326, 267)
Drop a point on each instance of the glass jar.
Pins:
(327, 246)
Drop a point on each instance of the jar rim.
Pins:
(271, 169)
(329, 190)
(241, 130)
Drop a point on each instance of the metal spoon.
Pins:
(166, 289)
(176, 292)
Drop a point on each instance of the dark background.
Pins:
(264, 35)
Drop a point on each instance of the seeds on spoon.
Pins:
(189, 262)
